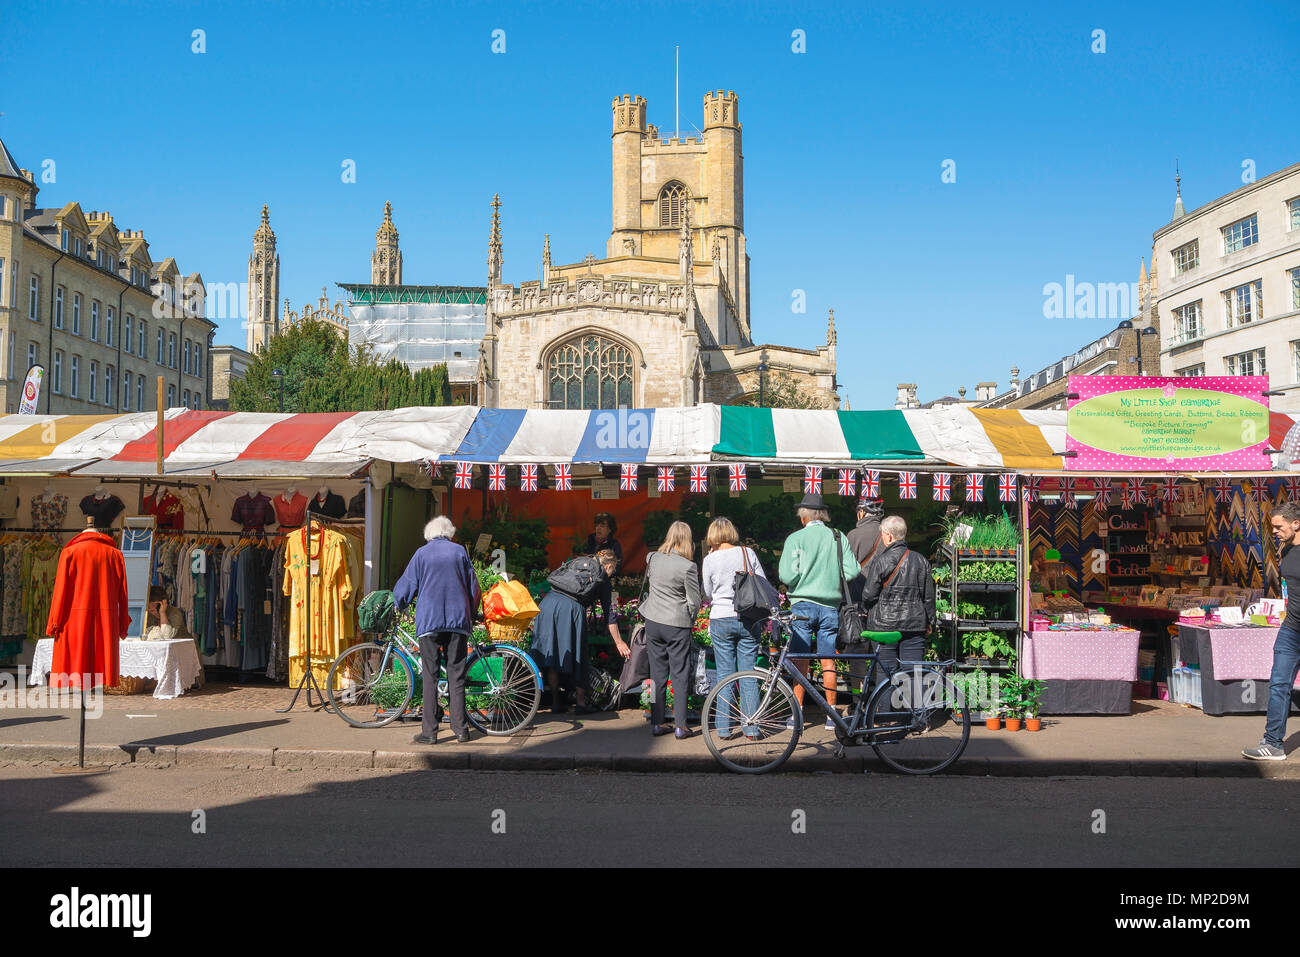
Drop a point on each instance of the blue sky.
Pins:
(1064, 157)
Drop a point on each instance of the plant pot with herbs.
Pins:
(1032, 697)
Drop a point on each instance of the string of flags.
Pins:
(1131, 492)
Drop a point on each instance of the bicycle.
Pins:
(916, 720)
(372, 684)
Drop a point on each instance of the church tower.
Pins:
(263, 286)
(656, 179)
(386, 261)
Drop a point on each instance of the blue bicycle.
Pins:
(373, 684)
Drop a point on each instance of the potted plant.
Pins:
(1013, 705)
(1032, 696)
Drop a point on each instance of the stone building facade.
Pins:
(263, 286)
(663, 319)
(85, 300)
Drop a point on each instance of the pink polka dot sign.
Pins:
(1160, 424)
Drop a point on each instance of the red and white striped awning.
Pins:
(229, 444)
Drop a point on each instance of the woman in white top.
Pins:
(735, 641)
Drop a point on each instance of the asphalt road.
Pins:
(275, 817)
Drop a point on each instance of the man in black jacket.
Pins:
(864, 539)
(898, 595)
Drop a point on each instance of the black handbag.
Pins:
(851, 625)
(753, 596)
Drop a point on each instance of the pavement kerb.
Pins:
(452, 757)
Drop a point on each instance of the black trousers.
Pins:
(911, 648)
(669, 651)
(439, 649)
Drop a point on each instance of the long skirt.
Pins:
(558, 639)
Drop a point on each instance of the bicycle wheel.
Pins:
(927, 721)
(751, 721)
(503, 689)
(370, 685)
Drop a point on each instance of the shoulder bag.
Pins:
(851, 625)
(753, 596)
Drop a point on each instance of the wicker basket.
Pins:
(506, 632)
(128, 685)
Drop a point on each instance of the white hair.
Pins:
(439, 527)
(894, 526)
(813, 514)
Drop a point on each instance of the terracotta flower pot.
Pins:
(992, 723)
(1033, 724)
(1013, 724)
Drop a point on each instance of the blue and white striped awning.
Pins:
(649, 436)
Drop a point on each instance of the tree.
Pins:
(322, 374)
(781, 390)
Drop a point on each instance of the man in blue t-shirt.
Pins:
(1286, 647)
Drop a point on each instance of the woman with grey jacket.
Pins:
(671, 603)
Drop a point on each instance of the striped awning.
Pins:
(233, 444)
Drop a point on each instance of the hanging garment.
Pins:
(48, 511)
(103, 509)
(252, 511)
(88, 613)
(40, 569)
(290, 513)
(277, 667)
(254, 617)
(331, 587)
(331, 506)
(13, 620)
(166, 509)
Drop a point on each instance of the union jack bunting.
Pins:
(848, 481)
(871, 483)
(1169, 490)
(1222, 490)
(907, 485)
(1260, 492)
(1068, 497)
(975, 487)
(1007, 488)
(667, 481)
(1292, 485)
(699, 478)
(627, 478)
(812, 480)
(528, 478)
(496, 478)
(564, 477)
(1103, 493)
(739, 480)
(1034, 490)
(942, 486)
(464, 475)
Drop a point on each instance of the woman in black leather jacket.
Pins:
(898, 596)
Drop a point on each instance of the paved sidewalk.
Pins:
(1158, 739)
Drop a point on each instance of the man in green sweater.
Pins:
(812, 573)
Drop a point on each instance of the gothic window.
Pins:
(589, 373)
(672, 202)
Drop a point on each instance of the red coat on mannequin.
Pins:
(88, 613)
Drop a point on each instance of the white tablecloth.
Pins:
(173, 664)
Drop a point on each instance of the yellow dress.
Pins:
(331, 589)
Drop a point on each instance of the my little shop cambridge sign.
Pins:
(1131, 423)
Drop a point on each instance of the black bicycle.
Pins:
(915, 719)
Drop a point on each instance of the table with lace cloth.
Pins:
(174, 664)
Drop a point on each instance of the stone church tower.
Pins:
(263, 286)
(386, 261)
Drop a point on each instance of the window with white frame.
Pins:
(198, 360)
(4, 206)
(171, 350)
(1243, 304)
(140, 339)
(58, 308)
(171, 396)
(34, 300)
(66, 237)
(126, 335)
(76, 313)
(13, 345)
(187, 357)
(2, 279)
(13, 285)
(94, 320)
(33, 350)
(76, 247)
(108, 326)
(58, 372)
(1191, 371)
(1245, 363)
(126, 391)
(1295, 288)
(1239, 235)
(108, 386)
(1187, 256)
(75, 376)
(1187, 322)
(92, 382)
(1293, 210)
(99, 258)
(139, 392)
(160, 347)
(1295, 360)
(185, 401)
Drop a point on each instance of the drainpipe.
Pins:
(49, 393)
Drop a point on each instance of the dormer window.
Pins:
(76, 247)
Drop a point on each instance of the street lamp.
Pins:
(1148, 331)
(279, 375)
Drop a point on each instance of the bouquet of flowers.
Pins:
(700, 631)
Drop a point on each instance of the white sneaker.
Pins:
(789, 724)
(1265, 752)
(830, 725)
